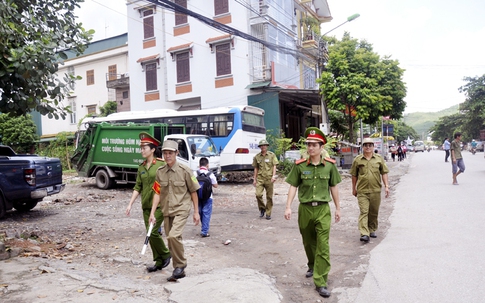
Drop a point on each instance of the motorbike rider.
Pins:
(474, 146)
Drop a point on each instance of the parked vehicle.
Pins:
(419, 146)
(410, 148)
(111, 152)
(27, 179)
(236, 130)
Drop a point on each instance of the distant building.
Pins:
(104, 71)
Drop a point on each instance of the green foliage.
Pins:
(277, 142)
(446, 127)
(357, 82)
(108, 108)
(33, 35)
(473, 107)
(62, 148)
(18, 132)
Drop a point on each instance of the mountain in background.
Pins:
(422, 122)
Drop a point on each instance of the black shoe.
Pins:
(205, 235)
(309, 273)
(179, 272)
(154, 268)
(373, 235)
(322, 291)
(166, 262)
(268, 217)
(262, 213)
(364, 238)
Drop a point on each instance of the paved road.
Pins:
(434, 250)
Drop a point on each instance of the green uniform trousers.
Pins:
(262, 185)
(159, 250)
(174, 228)
(314, 223)
(369, 210)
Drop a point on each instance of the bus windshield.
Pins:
(204, 147)
(253, 123)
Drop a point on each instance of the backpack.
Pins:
(205, 190)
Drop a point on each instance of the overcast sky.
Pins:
(437, 42)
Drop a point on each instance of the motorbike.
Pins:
(474, 150)
(429, 149)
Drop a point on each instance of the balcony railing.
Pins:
(117, 80)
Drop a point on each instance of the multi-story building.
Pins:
(104, 71)
(210, 53)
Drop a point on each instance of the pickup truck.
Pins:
(27, 179)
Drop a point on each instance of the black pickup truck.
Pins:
(27, 179)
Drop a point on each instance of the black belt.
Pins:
(315, 203)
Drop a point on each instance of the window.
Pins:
(91, 109)
(181, 18)
(125, 95)
(148, 28)
(112, 75)
(221, 7)
(72, 115)
(151, 76)
(183, 67)
(90, 77)
(223, 59)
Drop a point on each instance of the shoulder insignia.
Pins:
(300, 161)
(330, 160)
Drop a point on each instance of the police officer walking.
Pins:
(366, 172)
(176, 190)
(264, 164)
(316, 178)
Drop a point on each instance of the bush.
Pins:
(62, 148)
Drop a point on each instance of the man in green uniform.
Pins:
(264, 164)
(366, 172)
(315, 178)
(176, 189)
(144, 182)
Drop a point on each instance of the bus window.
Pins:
(221, 125)
(253, 123)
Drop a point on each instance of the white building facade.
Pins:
(104, 71)
(178, 61)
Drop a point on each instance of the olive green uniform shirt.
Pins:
(455, 147)
(176, 184)
(368, 173)
(313, 181)
(265, 165)
(144, 182)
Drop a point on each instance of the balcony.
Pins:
(117, 80)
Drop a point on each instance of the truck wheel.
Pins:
(103, 181)
(25, 206)
(2, 207)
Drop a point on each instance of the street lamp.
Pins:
(351, 18)
(325, 123)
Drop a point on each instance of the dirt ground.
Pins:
(85, 230)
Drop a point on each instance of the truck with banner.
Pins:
(111, 152)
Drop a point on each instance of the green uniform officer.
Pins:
(366, 172)
(144, 182)
(316, 178)
(264, 164)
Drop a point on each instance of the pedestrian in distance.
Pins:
(145, 179)
(446, 147)
(206, 180)
(457, 163)
(264, 164)
(393, 151)
(367, 171)
(176, 191)
(315, 178)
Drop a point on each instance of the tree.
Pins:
(473, 107)
(357, 82)
(34, 35)
(18, 132)
(108, 108)
(446, 126)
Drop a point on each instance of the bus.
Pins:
(236, 130)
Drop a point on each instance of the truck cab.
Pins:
(194, 147)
